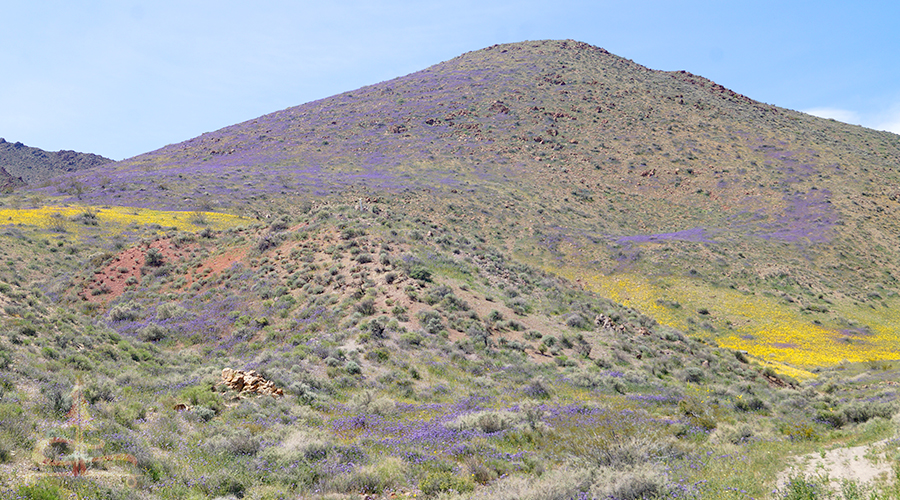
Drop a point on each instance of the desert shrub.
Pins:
(565, 483)
(750, 403)
(233, 442)
(399, 312)
(376, 328)
(5, 359)
(488, 421)
(15, 430)
(420, 274)
(152, 333)
(537, 389)
(127, 311)
(576, 320)
(58, 400)
(366, 307)
(699, 412)
(478, 334)
(533, 335)
(453, 303)
(439, 481)
(800, 487)
(863, 412)
(269, 241)
(353, 368)
(519, 306)
(154, 258)
(100, 390)
(692, 374)
(645, 481)
(742, 435)
(202, 396)
(203, 413)
(799, 431)
(434, 294)
(411, 339)
(44, 489)
(431, 321)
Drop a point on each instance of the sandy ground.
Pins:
(858, 463)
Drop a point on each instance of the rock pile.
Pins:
(250, 382)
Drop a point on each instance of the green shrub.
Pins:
(353, 368)
(699, 412)
(750, 403)
(154, 257)
(128, 311)
(420, 273)
(366, 307)
(799, 431)
(202, 396)
(41, 490)
(800, 487)
(440, 481)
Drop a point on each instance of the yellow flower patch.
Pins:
(783, 337)
(114, 219)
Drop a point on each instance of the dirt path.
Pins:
(842, 463)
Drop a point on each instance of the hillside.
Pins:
(8, 182)
(649, 187)
(537, 270)
(34, 166)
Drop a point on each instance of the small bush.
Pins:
(431, 321)
(693, 375)
(488, 422)
(751, 403)
(420, 273)
(42, 490)
(154, 257)
(440, 481)
(152, 333)
(366, 307)
(576, 320)
(128, 311)
(353, 368)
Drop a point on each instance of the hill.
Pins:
(537, 270)
(656, 189)
(34, 166)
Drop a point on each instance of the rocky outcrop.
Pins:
(250, 382)
(8, 182)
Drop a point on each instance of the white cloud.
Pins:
(841, 115)
(889, 120)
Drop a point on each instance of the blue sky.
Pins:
(119, 78)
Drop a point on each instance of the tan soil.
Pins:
(839, 464)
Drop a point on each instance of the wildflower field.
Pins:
(758, 324)
(113, 219)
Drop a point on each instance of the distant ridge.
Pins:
(33, 166)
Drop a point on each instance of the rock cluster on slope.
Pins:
(250, 382)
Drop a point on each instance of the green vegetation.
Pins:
(652, 289)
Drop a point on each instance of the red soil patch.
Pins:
(215, 265)
(112, 280)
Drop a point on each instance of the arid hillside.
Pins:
(535, 271)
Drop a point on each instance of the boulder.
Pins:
(250, 382)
